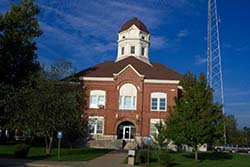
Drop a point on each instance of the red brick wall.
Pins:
(139, 117)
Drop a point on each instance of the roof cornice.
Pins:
(96, 78)
(161, 81)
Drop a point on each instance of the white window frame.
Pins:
(153, 122)
(158, 96)
(98, 94)
(128, 90)
(94, 120)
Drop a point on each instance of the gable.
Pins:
(126, 69)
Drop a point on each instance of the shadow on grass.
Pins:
(38, 157)
(210, 156)
(6, 155)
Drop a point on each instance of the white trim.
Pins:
(97, 94)
(158, 96)
(140, 75)
(98, 118)
(96, 78)
(180, 87)
(161, 81)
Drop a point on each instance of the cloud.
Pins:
(182, 34)
(88, 29)
(238, 104)
(158, 42)
(199, 60)
(237, 93)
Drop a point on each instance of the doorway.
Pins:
(126, 131)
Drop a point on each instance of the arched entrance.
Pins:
(126, 131)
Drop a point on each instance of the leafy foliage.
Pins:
(232, 133)
(21, 150)
(196, 119)
(165, 158)
(161, 136)
(246, 134)
(144, 155)
(45, 106)
(18, 28)
(235, 135)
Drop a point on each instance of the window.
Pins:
(97, 99)
(158, 101)
(132, 50)
(142, 37)
(127, 100)
(123, 37)
(122, 50)
(153, 129)
(95, 125)
(142, 51)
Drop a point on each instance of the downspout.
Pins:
(142, 108)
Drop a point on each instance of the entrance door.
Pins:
(126, 132)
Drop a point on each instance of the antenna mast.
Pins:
(214, 69)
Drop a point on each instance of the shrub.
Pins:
(21, 150)
(165, 159)
(143, 155)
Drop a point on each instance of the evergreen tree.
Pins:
(161, 136)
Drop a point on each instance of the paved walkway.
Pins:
(112, 159)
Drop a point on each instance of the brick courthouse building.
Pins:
(125, 98)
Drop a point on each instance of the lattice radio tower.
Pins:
(214, 69)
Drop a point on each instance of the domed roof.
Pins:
(136, 22)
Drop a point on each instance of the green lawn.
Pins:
(208, 159)
(67, 154)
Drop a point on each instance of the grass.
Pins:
(207, 159)
(67, 154)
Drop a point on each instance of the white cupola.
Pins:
(133, 40)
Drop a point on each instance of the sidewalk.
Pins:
(112, 159)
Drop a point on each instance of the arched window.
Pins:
(158, 101)
(128, 94)
(97, 99)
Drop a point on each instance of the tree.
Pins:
(246, 132)
(196, 119)
(45, 106)
(18, 29)
(161, 136)
(232, 133)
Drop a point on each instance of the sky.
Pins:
(84, 32)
